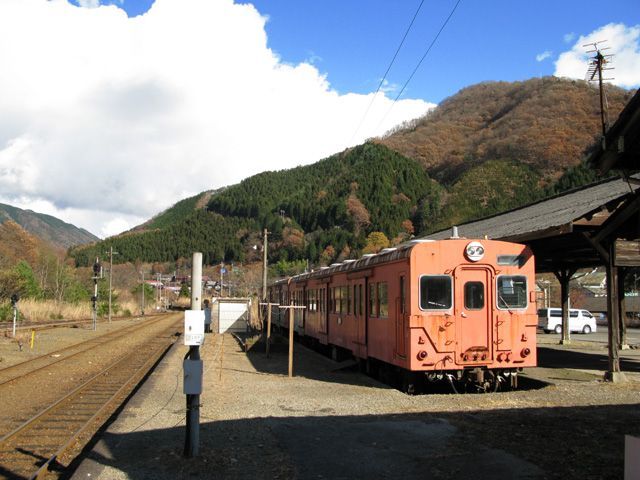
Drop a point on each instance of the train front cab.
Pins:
(472, 309)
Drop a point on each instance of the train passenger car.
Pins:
(458, 310)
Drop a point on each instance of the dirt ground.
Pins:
(332, 422)
(16, 350)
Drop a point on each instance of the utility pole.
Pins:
(142, 294)
(159, 290)
(264, 264)
(222, 270)
(111, 254)
(596, 67)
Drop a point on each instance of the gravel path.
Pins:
(333, 422)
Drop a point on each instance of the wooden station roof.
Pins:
(557, 228)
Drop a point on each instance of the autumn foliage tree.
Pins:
(358, 213)
(376, 241)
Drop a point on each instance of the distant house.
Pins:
(595, 282)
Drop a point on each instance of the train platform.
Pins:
(331, 422)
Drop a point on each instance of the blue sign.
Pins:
(223, 270)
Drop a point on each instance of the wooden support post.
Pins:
(291, 308)
(268, 342)
(564, 277)
(291, 328)
(622, 274)
(614, 374)
(268, 333)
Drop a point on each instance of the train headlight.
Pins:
(474, 251)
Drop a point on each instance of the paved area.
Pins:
(330, 422)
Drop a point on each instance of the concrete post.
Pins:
(192, 439)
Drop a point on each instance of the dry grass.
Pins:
(47, 310)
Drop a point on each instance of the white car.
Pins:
(550, 320)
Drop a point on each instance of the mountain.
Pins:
(333, 203)
(50, 229)
(489, 148)
(178, 211)
(544, 123)
(17, 244)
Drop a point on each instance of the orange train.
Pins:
(455, 310)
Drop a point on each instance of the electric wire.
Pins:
(384, 77)
(420, 62)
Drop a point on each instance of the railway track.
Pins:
(20, 370)
(48, 442)
(7, 326)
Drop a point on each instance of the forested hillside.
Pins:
(178, 212)
(323, 210)
(489, 148)
(50, 229)
(545, 123)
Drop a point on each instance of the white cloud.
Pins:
(543, 56)
(97, 3)
(107, 120)
(89, 3)
(388, 87)
(624, 44)
(569, 37)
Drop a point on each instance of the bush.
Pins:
(6, 312)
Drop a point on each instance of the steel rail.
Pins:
(67, 323)
(89, 401)
(141, 372)
(84, 347)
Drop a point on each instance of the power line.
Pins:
(420, 62)
(384, 77)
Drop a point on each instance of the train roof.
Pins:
(368, 260)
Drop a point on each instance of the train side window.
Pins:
(372, 300)
(512, 291)
(436, 292)
(355, 300)
(474, 295)
(360, 300)
(383, 301)
(346, 301)
(403, 297)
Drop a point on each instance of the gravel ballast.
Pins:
(331, 421)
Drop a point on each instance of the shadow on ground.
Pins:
(565, 358)
(567, 443)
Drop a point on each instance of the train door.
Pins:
(473, 314)
(324, 308)
(299, 313)
(401, 316)
(359, 311)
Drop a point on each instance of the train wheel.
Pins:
(409, 383)
(466, 384)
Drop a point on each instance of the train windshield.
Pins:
(512, 291)
(435, 292)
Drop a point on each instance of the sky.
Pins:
(113, 110)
